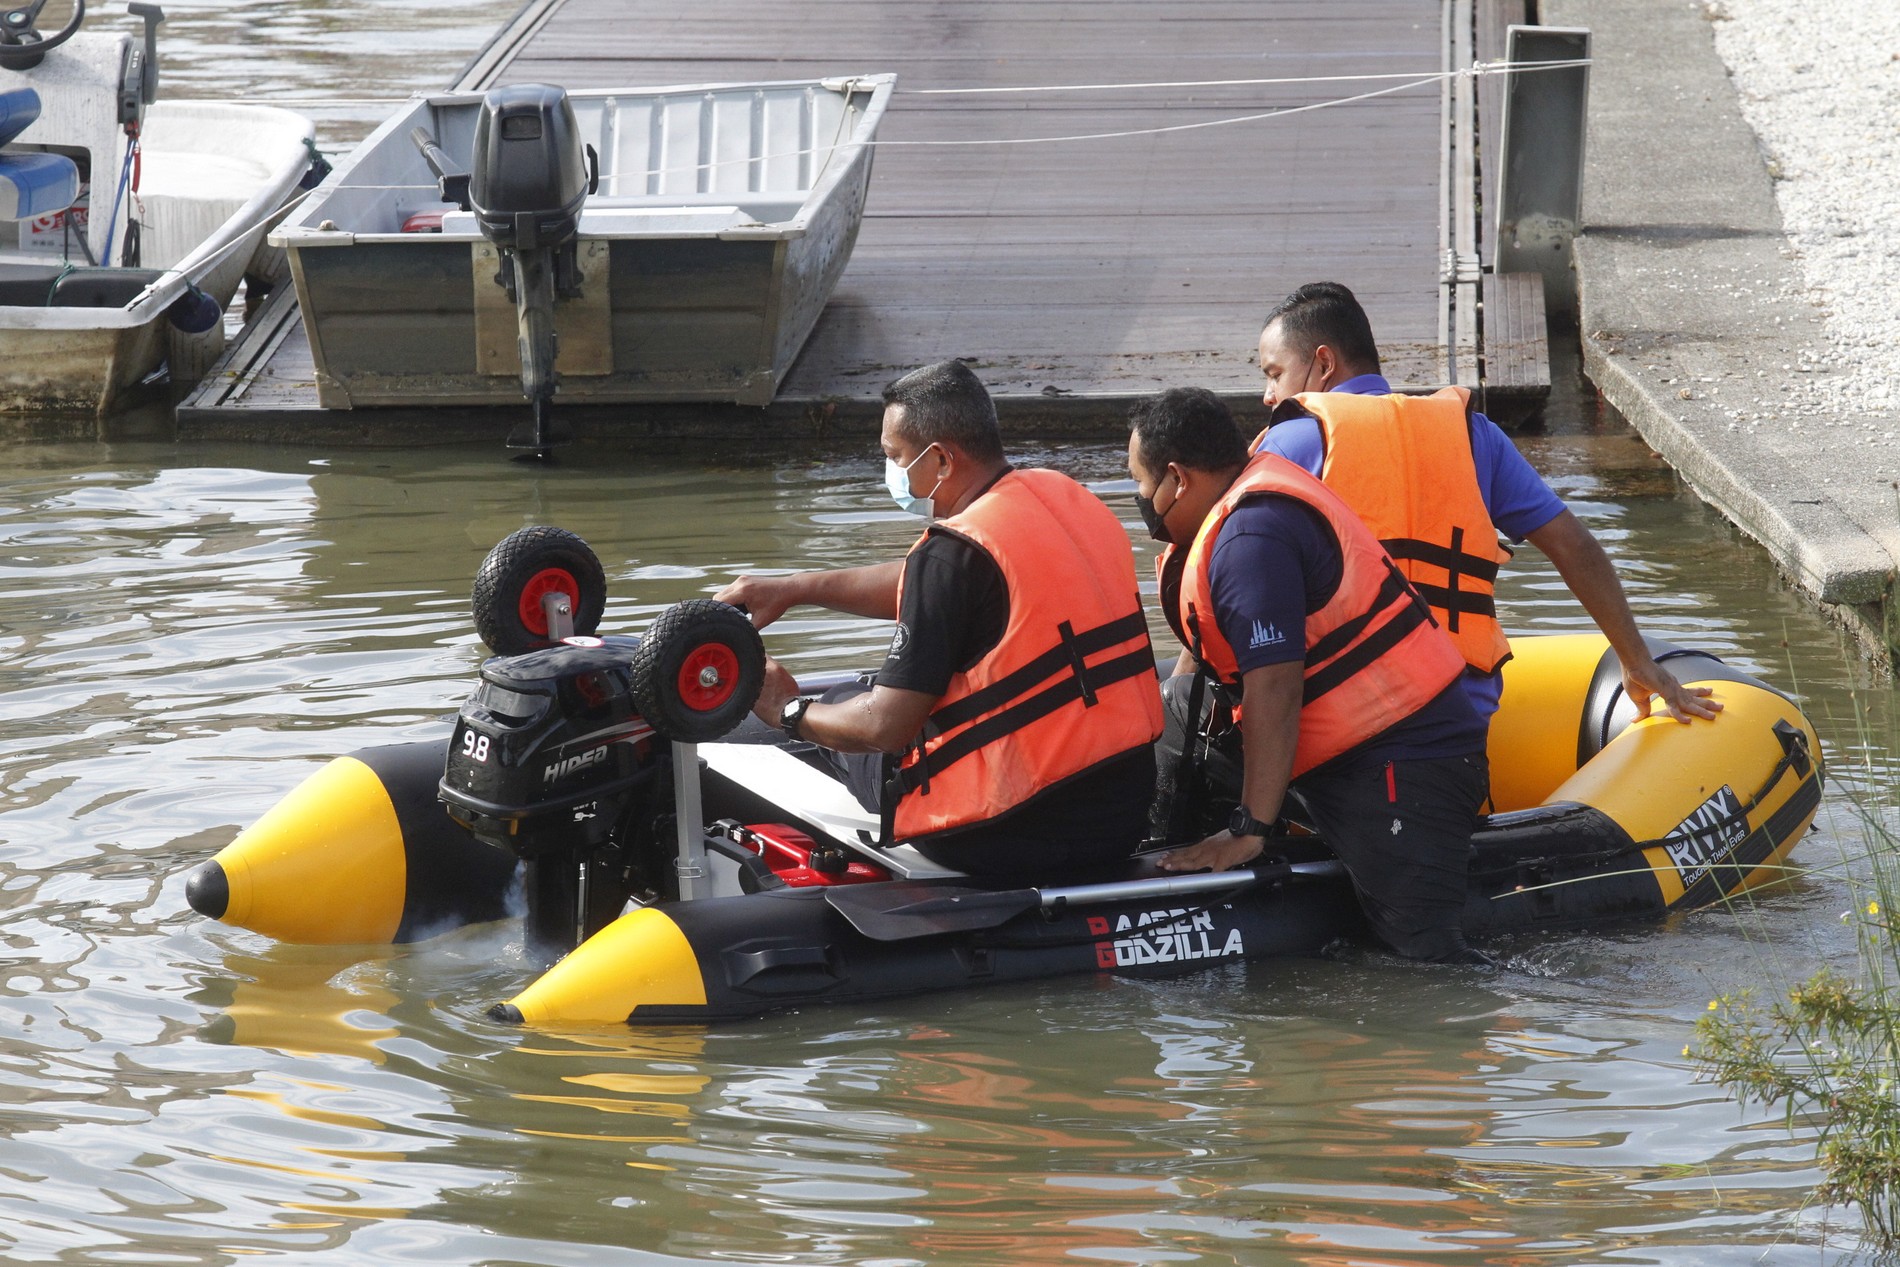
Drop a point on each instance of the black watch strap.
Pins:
(792, 715)
(1242, 823)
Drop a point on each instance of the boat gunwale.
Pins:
(300, 235)
(149, 304)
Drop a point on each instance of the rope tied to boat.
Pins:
(1475, 70)
(1407, 81)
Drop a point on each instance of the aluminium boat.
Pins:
(715, 222)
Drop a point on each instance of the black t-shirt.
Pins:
(955, 609)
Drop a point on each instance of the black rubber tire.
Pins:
(695, 631)
(520, 560)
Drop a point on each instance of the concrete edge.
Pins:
(1830, 556)
(1650, 287)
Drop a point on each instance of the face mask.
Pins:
(1156, 524)
(897, 480)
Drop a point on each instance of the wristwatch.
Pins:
(1242, 823)
(792, 715)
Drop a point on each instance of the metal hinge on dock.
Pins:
(1459, 268)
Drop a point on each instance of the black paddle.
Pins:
(903, 909)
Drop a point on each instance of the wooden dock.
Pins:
(1074, 276)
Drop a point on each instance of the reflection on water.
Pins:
(338, 62)
(189, 631)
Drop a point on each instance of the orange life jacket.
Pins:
(1404, 464)
(1373, 653)
(1070, 684)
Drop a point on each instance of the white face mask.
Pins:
(897, 480)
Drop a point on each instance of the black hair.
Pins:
(1188, 425)
(946, 403)
(1326, 312)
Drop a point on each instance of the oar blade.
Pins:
(902, 910)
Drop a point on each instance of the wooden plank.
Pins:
(1516, 346)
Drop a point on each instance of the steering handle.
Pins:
(21, 45)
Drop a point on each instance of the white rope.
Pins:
(1478, 68)
(313, 103)
(1177, 127)
(1407, 84)
(1418, 82)
(203, 266)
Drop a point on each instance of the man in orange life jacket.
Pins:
(1019, 697)
(1345, 689)
(1437, 482)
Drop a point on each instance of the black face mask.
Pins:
(1151, 518)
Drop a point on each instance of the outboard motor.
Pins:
(552, 762)
(529, 175)
(575, 753)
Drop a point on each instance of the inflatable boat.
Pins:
(672, 866)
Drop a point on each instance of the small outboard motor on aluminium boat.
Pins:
(529, 174)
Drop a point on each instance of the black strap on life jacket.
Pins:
(1068, 652)
(1342, 659)
(1449, 597)
(1011, 705)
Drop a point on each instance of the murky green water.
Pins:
(187, 631)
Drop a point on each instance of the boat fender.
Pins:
(194, 312)
(320, 169)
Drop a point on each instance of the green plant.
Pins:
(1829, 1051)
(1828, 1055)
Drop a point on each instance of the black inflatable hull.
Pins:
(739, 956)
(1601, 822)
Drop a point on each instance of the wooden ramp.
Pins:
(1076, 275)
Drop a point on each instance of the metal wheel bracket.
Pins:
(689, 817)
(558, 611)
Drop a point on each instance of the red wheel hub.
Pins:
(539, 586)
(708, 676)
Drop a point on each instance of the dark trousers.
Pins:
(1403, 828)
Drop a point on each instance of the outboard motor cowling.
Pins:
(552, 762)
(528, 176)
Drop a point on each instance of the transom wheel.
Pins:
(519, 574)
(698, 670)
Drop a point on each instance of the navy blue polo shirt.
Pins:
(1276, 562)
(1515, 495)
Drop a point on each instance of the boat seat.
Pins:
(19, 109)
(101, 287)
(766, 207)
(36, 185)
(31, 183)
(630, 221)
